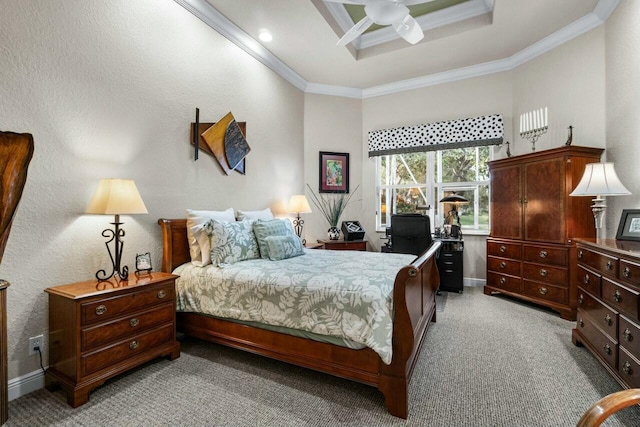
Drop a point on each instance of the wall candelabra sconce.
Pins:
(533, 125)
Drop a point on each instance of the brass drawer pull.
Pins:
(617, 296)
(580, 299)
(503, 248)
(609, 266)
(503, 264)
(626, 272)
(627, 368)
(607, 348)
(101, 309)
(580, 255)
(586, 279)
(133, 345)
(627, 335)
(543, 254)
(134, 322)
(543, 272)
(581, 323)
(503, 280)
(162, 294)
(543, 291)
(608, 320)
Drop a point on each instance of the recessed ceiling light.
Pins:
(265, 36)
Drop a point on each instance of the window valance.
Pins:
(472, 132)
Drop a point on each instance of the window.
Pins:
(408, 182)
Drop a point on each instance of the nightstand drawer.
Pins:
(101, 334)
(115, 306)
(93, 362)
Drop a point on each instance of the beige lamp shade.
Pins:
(298, 204)
(116, 197)
(600, 179)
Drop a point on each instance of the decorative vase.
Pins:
(334, 233)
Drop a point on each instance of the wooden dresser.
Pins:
(533, 224)
(100, 329)
(608, 323)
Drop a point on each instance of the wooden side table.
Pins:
(344, 245)
(98, 330)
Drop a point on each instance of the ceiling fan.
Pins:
(385, 12)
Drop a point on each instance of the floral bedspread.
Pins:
(346, 294)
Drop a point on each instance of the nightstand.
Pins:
(344, 245)
(98, 330)
(450, 265)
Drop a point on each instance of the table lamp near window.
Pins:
(455, 200)
(599, 179)
(116, 197)
(298, 204)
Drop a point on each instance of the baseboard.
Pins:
(470, 281)
(25, 384)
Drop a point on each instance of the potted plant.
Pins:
(332, 206)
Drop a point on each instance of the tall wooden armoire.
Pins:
(533, 224)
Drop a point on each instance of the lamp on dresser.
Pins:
(598, 180)
(298, 204)
(116, 197)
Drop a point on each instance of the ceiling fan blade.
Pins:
(355, 31)
(360, 2)
(409, 29)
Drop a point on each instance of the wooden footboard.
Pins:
(414, 308)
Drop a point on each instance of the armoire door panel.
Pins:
(544, 195)
(506, 203)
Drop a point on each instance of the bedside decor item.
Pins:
(143, 263)
(334, 172)
(454, 200)
(116, 197)
(332, 206)
(352, 230)
(298, 204)
(599, 179)
(224, 140)
(629, 227)
(533, 125)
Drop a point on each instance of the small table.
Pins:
(450, 264)
(344, 245)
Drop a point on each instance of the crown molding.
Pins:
(209, 15)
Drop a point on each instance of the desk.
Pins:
(450, 265)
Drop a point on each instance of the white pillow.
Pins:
(199, 245)
(264, 215)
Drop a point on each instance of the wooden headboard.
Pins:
(175, 246)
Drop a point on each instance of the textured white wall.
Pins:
(108, 89)
(623, 106)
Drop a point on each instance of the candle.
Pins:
(520, 123)
(546, 117)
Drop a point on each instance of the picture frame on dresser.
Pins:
(629, 227)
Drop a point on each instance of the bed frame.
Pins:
(414, 307)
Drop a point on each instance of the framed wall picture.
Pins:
(629, 227)
(334, 172)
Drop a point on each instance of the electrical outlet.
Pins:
(35, 342)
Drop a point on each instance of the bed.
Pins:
(413, 309)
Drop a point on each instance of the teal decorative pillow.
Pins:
(274, 227)
(231, 241)
(283, 247)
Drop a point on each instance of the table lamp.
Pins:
(455, 200)
(298, 204)
(116, 197)
(599, 179)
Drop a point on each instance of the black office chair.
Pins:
(410, 233)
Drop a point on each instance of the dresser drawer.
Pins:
(546, 255)
(118, 305)
(502, 281)
(93, 362)
(630, 272)
(629, 369)
(606, 347)
(103, 333)
(540, 273)
(588, 280)
(545, 291)
(601, 315)
(504, 249)
(603, 263)
(504, 266)
(629, 335)
(621, 298)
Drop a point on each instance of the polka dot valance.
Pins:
(472, 132)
